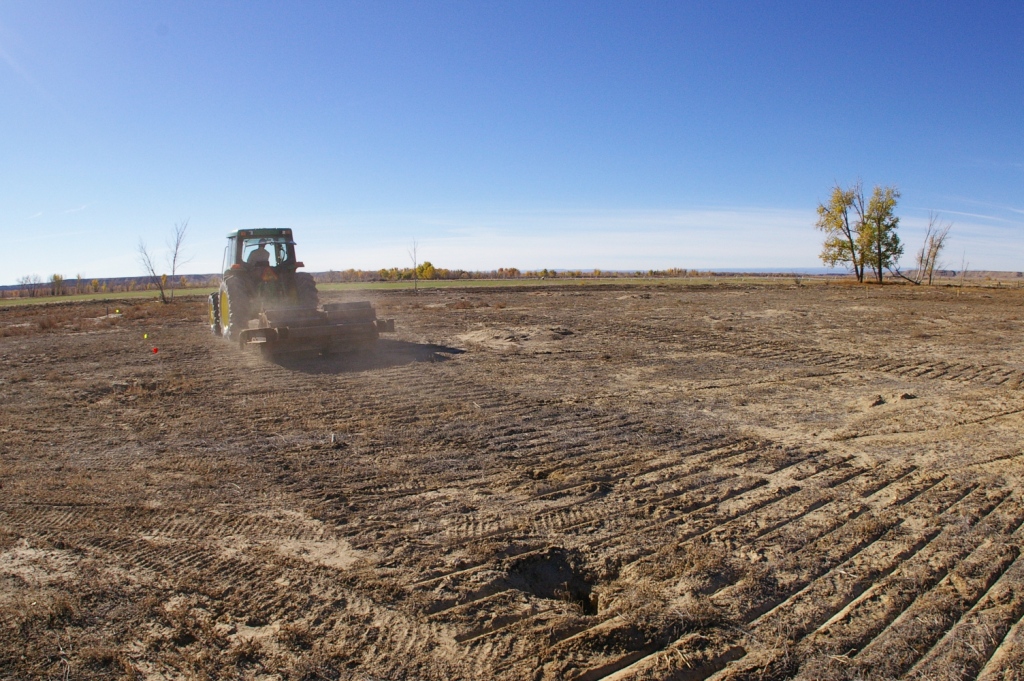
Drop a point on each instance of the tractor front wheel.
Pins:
(233, 308)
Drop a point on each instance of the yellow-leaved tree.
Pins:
(841, 235)
(878, 240)
(861, 232)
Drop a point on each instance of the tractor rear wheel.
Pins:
(305, 290)
(233, 308)
(215, 314)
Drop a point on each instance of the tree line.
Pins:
(34, 286)
(428, 271)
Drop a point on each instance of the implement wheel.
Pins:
(233, 308)
(215, 314)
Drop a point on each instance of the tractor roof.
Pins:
(261, 233)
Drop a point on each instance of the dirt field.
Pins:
(728, 482)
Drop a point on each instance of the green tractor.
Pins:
(263, 300)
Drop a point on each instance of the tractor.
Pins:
(263, 300)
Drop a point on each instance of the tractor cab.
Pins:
(250, 249)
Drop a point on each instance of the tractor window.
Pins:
(266, 251)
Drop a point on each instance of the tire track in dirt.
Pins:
(840, 601)
(610, 667)
(792, 614)
(738, 597)
(985, 374)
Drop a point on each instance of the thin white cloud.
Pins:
(37, 215)
(986, 204)
(979, 216)
(76, 210)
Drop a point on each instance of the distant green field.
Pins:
(441, 284)
(123, 295)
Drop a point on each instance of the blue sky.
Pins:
(616, 135)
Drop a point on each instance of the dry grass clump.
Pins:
(36, 613)
(7, 538)
(191, 309)
(106, 659)
(189, 625)
(9, 330)
(21, 376)
(826, 667)
(649, 607)
(295, 636)
(245, 651)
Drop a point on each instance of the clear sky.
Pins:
(616, 135)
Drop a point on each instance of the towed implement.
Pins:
(264, 301)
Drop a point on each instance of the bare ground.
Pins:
(819, 482)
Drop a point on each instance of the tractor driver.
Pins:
(260, 257)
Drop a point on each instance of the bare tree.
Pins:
(415, 264)
(963, 273)
(146, 260)
(175, 257)
(928, 257)
(934, 242)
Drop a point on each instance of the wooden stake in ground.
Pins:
(415, 265)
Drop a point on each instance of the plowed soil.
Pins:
(725, 482)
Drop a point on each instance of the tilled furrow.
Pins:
(971, 642)
(921, 625)
(866, 603)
